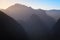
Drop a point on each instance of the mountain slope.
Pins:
(10, 29)
(48, 20)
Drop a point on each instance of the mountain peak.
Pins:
(17, 4)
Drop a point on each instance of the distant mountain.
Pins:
(35, 22)
(22, 12)
(11, 29)
(19, 11)
(54, 13)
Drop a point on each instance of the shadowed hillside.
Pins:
(56, 30)
(10, 29)
(54, 34)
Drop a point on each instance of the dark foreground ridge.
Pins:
(55, 32)
(10, 29)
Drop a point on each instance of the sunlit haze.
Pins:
(43, 4)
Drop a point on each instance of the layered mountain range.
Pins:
(36, 22)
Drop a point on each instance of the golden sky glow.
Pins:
(43, 4)
(5, 3)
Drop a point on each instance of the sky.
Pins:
(36, 4)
